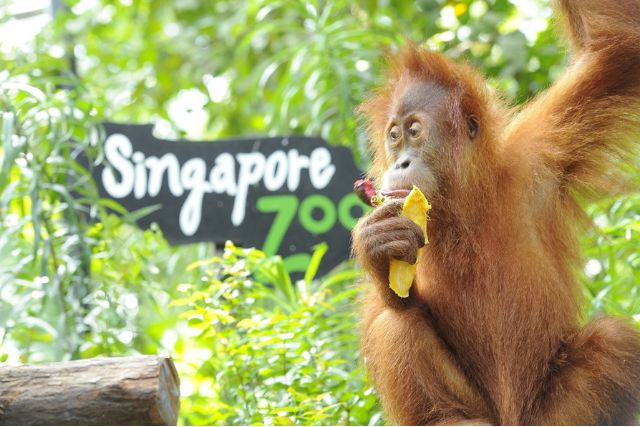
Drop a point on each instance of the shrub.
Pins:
(271, 351)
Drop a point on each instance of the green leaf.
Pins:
(319, 251)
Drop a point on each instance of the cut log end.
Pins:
(138, 390)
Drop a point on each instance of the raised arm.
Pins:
(590, 118)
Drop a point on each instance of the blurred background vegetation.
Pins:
(252, 347)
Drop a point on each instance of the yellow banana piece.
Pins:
(401, 274)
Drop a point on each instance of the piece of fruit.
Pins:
(401, 274)
(366, 191)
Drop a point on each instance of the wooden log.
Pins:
(139, 390)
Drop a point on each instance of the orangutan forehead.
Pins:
(418, 96)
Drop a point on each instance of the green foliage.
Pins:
(42, 228)
(252, 346)
(612, 268)
(271, 351)
(74, 281)
(243, 67)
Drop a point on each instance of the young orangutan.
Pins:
(490, 332)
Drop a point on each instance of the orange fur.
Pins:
(490, 332)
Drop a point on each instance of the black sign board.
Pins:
(281, 194)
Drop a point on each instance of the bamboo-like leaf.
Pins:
(318, 253)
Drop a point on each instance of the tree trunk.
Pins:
(139, 390)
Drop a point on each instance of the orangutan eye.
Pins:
(473, 125)
(415, 129)
(394, 133)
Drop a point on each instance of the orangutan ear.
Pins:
(473, 126)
